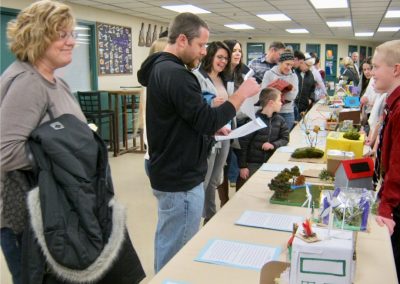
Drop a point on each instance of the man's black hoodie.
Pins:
(179, 123)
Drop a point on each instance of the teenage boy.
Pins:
(386, 73)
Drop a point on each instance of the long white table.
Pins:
(375, 263)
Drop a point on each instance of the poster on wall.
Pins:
(114, 46)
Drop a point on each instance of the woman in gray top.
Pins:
(42, 38)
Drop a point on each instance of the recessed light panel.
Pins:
(274, 17)
(239, 27)
(339, 24)
(329, 4)
(186, 8)
(297, 31)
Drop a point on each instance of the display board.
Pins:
(114, 49)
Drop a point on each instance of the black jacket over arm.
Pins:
(77, 227)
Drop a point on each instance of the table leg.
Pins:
(116, 111)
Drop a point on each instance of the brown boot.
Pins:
(223, 192)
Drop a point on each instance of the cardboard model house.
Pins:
(355, 173)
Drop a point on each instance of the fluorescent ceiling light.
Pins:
(329, 4)
(80, 28)
(80, 35)
(388, 29)
(186, 8)
(297, 31)
(364, 34)
(239, 27)
(274, 17)
(340, 24)
(393, 14)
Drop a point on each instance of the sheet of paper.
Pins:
(238, 254)
(267, 220)
(248, 107)
(286, 149)
(244, 130)
(270, 167)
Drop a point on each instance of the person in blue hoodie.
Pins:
(257, 147)
(179, 129)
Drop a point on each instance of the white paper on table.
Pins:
(279, 222)
(248, 107)
(238, 254)
(244, 130)
(270, 167)
(286, 149)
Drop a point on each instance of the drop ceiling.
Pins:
(365, 15)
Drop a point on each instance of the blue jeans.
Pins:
(11, 247)
(289, 119)
(179, 216)
(297, 116)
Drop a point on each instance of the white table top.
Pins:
(375, 263)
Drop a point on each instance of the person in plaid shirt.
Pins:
(266, 62)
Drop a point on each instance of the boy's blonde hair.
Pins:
(268, 94)
(390, 51)
(36, 27)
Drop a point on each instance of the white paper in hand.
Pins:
(244, 130)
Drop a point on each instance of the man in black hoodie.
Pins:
(179, 129)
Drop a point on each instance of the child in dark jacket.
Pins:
(258, 147)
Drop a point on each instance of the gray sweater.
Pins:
(27, 98)
(291, 78)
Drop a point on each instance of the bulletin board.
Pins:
(255, 50)
(114, 49)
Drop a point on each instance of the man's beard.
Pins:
(193, 65)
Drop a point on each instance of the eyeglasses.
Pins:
(63, 35)
(222, 58)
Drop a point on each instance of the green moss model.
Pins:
(307, 152)
(352, 135)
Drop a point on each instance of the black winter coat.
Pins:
(276, 133)
(77, 232)
(306, 90)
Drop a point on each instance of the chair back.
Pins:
(90, 102)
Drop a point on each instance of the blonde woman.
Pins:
(350, 71)
(42, 38)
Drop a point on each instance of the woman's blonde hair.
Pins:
(347, 61)
(36, 27)
(158, 45)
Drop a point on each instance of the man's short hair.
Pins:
(299, 55)
(185, 23)
(277, 45)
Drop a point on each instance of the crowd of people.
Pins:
(195, 89)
